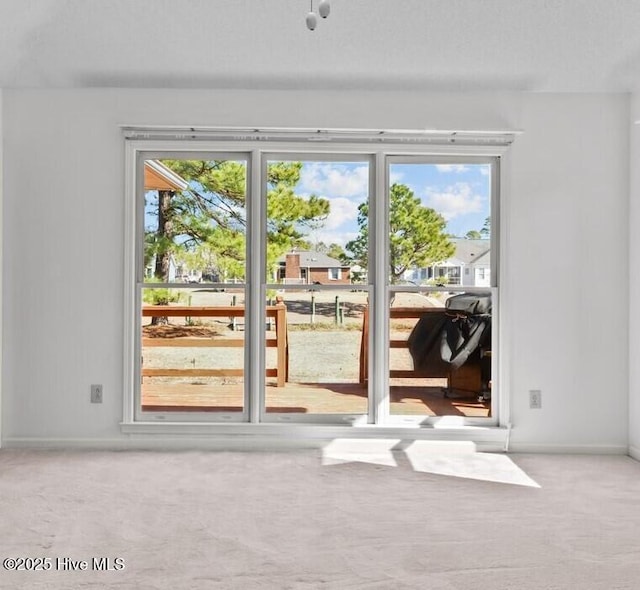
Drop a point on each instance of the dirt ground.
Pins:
(299, 303)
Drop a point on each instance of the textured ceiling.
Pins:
(459, 45)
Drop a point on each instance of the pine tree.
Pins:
(417, 235)
(205, 225)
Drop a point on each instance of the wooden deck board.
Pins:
(307, 398)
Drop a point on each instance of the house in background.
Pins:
(470, 266)
(306, 267)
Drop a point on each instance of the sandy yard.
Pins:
(319, 349)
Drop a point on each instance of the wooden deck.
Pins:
(307, 398)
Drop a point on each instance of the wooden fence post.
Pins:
(281, 340)
(233, 319)
(364, 346)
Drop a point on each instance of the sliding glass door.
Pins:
(442, 284)
(192, 244)
(341, 286)
(316, 216)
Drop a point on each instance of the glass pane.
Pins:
(440, 353)
(316, 235)
(440, 224)
(195, 221)
(325, 357)
(317, 215)
(192, 349)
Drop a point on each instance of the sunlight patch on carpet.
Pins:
(460, 459)
(448, 458)
(346, 450)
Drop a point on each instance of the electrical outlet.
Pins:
(96, 394)
(535, 399)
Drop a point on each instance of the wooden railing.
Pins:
(396, 313)
(280, 342)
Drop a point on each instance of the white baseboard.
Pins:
(287, 437)
(269, 439)
(265, 443)
(25, 442)
(158, 443)
(199, 444)
(515, 447)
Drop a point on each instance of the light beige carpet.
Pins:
(432, 520)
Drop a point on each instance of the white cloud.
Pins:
(340, 225)
(457, 168)
(485, 170)
(341, 211)
(337, 180)
(455, 200)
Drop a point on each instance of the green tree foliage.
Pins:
(337, 251)
(473, 234)
(416, 234)
(486, 228)
(204, 226)
(160, 297)
(211, 210)
(289, 215)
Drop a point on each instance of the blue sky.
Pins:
(461, 193)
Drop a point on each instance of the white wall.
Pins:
(1, 242)
(634, 283)
(565, 220)
(567, 288)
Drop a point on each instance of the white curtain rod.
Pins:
(427, 136)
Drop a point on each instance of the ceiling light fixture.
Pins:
(324, 8)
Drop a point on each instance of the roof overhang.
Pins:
(157, 177)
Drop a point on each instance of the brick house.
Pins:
(309, 267)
